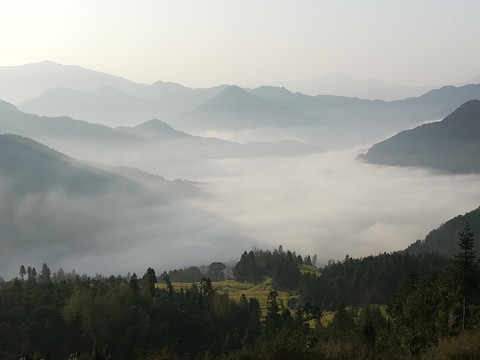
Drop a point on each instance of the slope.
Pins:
(57, 210)
(444, 239)
(451, 145)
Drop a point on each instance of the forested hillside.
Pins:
(443, 240)
(451, 145)
(58, 312)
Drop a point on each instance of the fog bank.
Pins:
(333, 205)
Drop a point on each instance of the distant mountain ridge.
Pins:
(343, 85)
(19, 83)
(235, 108)
(113, 107)
(451, 145)
(96, 142)
(323, 120)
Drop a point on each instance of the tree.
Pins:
(166, 278)
(22, 272)
(273, 319)
(134, 283)
(150, 278)
(31, 274)
(466, 268)
(216, 271)
(45, 273)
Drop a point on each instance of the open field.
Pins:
(235, 289)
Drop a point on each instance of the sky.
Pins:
(245, 42)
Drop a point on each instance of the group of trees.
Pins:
(132, 318)
(368, 280)
(281, 266)
(216, 271)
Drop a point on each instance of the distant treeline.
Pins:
(216, 271)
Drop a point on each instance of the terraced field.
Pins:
(235, 289)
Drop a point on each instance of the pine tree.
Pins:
(22, 272)
(466, 268)
(45, 273)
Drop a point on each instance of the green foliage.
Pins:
(466, 270)
(133, 318)
(190, 275)
(369, 280)
(216, 271)
(282, 267)
(465, 264)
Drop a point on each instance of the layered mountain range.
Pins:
(55, 207)
(152, 138)
(325, 120)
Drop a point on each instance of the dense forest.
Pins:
(396, 306)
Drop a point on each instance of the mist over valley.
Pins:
(258, 168)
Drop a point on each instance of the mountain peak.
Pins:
(156, 125)
(233, 90)
(157, 128)
(466, 113)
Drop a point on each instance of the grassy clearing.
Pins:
(304, 269)
(235, 289)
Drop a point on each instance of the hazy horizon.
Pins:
(249, 43)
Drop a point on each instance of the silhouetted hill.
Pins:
(451, 145)
(33, 167)
(64, 212)
(437, 103)
(323, 109)
(110, 106)
(155, 129)
(153, 138)
(444, 239)
(15, 121)
(344, 85)
(20, 83)
(235, 108)
(161, 89)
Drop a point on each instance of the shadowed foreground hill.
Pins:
(58, 210)
(444, 239)
(451, 145)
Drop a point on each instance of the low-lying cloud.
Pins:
(327, 204)
(111, 233)
(333, 205)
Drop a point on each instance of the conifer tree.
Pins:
(22, 272)
(466, 268)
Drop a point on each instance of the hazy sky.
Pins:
(246, 42)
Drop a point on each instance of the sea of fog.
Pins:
(329, 204)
